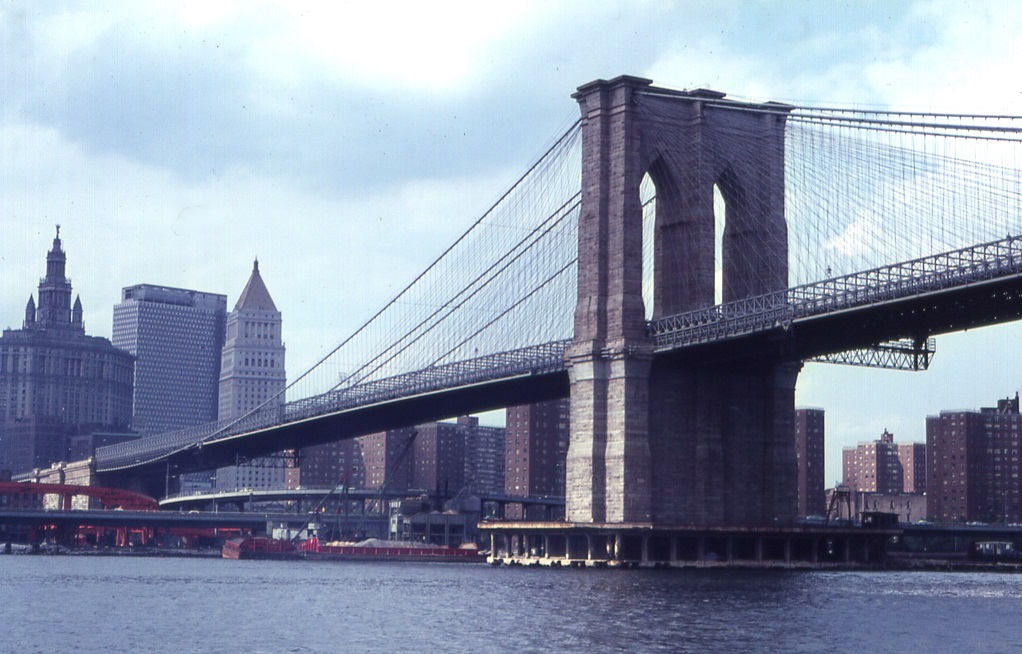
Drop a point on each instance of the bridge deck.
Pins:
(967, 266)
(952, 291)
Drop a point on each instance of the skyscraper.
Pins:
(252, 376)
(809, 438)
(55, 381)
(176, 336)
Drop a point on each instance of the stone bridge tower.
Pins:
(654, 439)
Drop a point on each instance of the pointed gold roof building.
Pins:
(255, 297)
(252, 376)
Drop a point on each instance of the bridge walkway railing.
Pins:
(533, 360)
(911, 278)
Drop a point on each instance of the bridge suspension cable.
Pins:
(489, 292)
(864, 192)
(862, 189)
(499, 300)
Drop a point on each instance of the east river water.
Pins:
(128, 604)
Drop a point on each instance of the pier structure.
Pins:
(646, 545)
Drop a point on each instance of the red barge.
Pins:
(372, 550)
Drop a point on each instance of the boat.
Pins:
(382, 550)
(262, 547)
(259, 547)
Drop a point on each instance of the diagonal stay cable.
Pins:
(567, 210)
(557, 144)
(507, 310)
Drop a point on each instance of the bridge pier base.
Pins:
(722, 445)
(679, 546)
(653, 438)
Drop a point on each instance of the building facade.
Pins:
(973, 464)
(439, 458)
(484, 456)
(809, 448)
(175, 335)
(535, 452)
(910, 507)
(388, 458)
(55, 381)
(873, 466)
(444, 457)
(912, 457)
(252, 377)
(327, 465)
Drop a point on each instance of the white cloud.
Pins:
(437, 46)
(327, 262)
(967, 66)
(207, 13)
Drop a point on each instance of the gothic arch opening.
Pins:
(685, 231)
(647, 199)
(673, 270)
(729, 209)
(719, 221)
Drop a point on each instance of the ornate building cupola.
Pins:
(29, 313)
(54, 308)
(56, 260)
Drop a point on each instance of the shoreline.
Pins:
(895, 563)
(154, 552)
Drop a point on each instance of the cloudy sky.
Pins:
(347, 144)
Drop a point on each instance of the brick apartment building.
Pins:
(809, 440)
(973, 465)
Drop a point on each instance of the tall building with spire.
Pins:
(252, 376)
(55, 381)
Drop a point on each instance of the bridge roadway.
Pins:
(311, 495)
(149, 519)
(525, 376)
(954, 291)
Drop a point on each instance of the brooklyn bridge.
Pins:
(669, 264)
